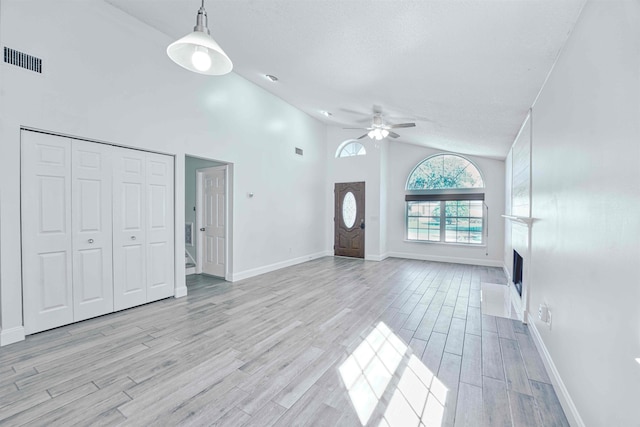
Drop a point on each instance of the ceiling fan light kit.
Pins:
(380, 130)
(198, 52)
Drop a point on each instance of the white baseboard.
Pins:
(455, 260)
(381, 257)
(277, 266)
(570, 410)
(11, 335)
(189, 271)
(180, 292)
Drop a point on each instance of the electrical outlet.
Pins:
(543, 313)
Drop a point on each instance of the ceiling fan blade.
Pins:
(402, 125)
(366, 134)
(357, 128)
(393, 134)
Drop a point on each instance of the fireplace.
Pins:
(517, 272)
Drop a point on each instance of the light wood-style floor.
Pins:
(329, 342)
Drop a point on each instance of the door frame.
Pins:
(199, 242)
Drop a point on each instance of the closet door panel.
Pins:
(46, 231)
(129, 229)
(160, 236)
(92, 229)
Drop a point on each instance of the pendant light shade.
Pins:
(198, 52)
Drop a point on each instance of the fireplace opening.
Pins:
(517, 272)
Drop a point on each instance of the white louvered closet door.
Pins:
(129, 228)
(46, 231)
(92, 229)
(159, 226)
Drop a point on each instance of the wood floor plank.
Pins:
(471, 372)
(455, 338)
(474, 321)
(532, 360)
(524, 410)
(496, 403)
(469, 408)
(443, 322)
(551, 413)
(432, 355)
(489, 323)
(515, 372)
(449, 375)
(505, 328)
(492, 365)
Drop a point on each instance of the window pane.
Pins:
(412, 223)
(475, 225)
(444, 171)
(412, 233)
(414, 208)
(475, 237)
(353, 149)
(434, 235)
(450, 230)
(475, 209)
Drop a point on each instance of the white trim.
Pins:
(455, 260)
(570, 410)
(380, 257)
(11, 335)
(277, 266)
(189, 271)
(180, 292)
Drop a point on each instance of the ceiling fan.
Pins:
(380, 130)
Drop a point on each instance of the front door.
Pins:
(212, 224)
(349, 219)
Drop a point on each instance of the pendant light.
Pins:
(198, 52)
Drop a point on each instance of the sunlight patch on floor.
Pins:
(419, 396)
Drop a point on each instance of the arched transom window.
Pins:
(350, 149)
(445, 201)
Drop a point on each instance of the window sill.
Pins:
(466, 245)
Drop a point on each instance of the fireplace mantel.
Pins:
(527, 220)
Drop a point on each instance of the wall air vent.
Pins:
(299, 151)
(20, 59)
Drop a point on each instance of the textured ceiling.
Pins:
(465, 71)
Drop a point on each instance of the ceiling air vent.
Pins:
(20, 59)
(299, 151)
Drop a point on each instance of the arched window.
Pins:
(445, 201)
(351, 148)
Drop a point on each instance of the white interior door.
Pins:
(46, 231)
(92, 229)
(159, 226)
(212, 232)
(129, 225)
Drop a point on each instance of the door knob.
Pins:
(133, 237)
(90, 240)
(362, 223)
(202, 229)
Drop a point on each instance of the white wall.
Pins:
(402, 159)
(106, 77)
(586, 205)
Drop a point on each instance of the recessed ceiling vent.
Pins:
(20, 59)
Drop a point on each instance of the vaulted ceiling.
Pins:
(465, 71)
